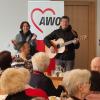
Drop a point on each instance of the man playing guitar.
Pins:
(66, 58)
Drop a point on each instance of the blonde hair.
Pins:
(26, 74)
(40, 61)
(74, 78)
(14, 80)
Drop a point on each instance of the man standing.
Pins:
(65, 59)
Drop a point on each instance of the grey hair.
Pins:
(40, 61)
(74, 78)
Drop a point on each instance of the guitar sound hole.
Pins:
(58, 46)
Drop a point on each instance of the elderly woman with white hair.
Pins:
(40, 63)
(13, 82)
(14, 85)
(77, 84)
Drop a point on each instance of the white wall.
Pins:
(98, 28)
(12, 13)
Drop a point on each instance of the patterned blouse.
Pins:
(19, 62)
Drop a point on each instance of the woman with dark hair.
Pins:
(22, 59)
(5, 60)
(26, 35)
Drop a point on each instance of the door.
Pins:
(79, 13)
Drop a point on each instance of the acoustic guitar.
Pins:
(59, 45)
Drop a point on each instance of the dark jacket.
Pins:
(67, 35)
(28, 94)
(18, 96)
(39, 80)
(27, 37)
(95, 81)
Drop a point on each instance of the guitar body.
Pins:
(61, 47)
(57, 50)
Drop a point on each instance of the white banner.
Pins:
(44, 16)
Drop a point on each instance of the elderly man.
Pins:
(95, 64)
(40, 62)
(95, 79)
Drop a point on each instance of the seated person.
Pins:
(23, 57)
(95, 64)
(95, 86)
(5, 60)
(40, 63)
(13, 82)
(77, 84)
(16, 87)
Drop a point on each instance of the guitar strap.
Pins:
(74, 33)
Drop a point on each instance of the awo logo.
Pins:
(44, 20)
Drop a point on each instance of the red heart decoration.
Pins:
(42, 11)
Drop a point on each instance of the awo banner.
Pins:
(44, 16)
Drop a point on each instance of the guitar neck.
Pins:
(67, 43)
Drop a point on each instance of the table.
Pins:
(56, 80)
